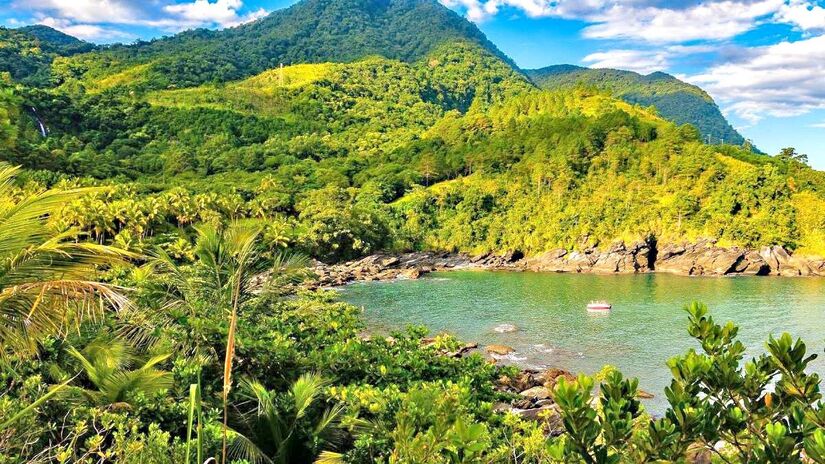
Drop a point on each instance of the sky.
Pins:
(763, 61)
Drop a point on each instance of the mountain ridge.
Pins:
(341, 31)
(311, 31)
(27, 53)
(676, 100)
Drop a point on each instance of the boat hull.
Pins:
(598, 308)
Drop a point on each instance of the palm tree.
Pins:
(232, 259)
(225, 275)
(47, 278)
(117, 374)
(285, 428)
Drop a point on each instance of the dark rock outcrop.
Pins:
(703, 258)
(693, 259)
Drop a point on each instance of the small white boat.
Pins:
(599, 307)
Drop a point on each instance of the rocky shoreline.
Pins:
(690, 259)
(529, 393)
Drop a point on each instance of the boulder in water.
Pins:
(501, 350)
(505, 328)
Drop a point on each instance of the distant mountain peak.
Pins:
(674, 99)
(310, 31)
(52, 36)
(27, 53)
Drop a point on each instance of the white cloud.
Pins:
(780, 80)
(91, 32)
(93, 18)
(819, 125)
(706, 21)
(655, 21)
(644, 61)
(659, 21)
(641, 61)
(87, 11)
(807, 16)
(223, 12)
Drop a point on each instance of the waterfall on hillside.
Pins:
(43, 130)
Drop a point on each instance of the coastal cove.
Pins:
(646, 327)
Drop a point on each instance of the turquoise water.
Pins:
(646, 326)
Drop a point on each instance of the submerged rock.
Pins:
(501, 350)
(505, 328)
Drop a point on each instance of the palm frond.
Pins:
(330, 418)
(30, 311)
(287, 261)
(47, 277)
(330, 457)
(305, 390)
(242, 448)
(120, 385)
(106, 363)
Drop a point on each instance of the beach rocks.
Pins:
(387, 267)
(408, 266)
(702, 258)
(501, 350)
(551, 376)
(533, 398)
(536, 393)
(618, 258)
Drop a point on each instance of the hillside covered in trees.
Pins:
(26, 54)
(673, 99)
(311, 31)
(160, 181)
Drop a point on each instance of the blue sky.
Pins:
(762, 60)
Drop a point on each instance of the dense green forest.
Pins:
(27, 53)
(673, 99)
(158, 182)
(309, 32)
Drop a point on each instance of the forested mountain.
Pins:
(311, 31)
(55, 41)
(439, 141)
(675, 100)
(160, 181)
(315, 111)
(27, 53)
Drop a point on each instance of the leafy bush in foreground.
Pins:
(765, 410)
(311, 385)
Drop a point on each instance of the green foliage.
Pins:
(46, 273)
(766, 409)
(221, 173)
(312, 31)
(547, 175)
(286, 428)
(27, 53)
(673, 99)
(115, 374)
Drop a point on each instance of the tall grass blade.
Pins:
(193, 400)
(199, 412)
(227, 377)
